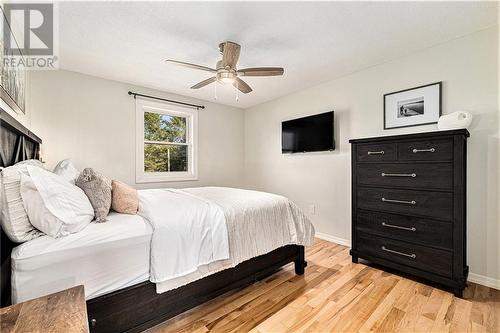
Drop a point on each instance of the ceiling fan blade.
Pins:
(261, 71)
(230, 55)
(204, 83)
(242, 86)
(193, 66)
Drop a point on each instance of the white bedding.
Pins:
(188, 232)
(257, 223)
(116, 254)
(104, 257)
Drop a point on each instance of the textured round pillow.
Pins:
(98, 190)
(125, 199)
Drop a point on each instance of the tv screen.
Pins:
(313, 133)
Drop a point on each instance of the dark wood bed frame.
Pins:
(138, 307)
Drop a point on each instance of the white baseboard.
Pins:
(476, 278)
(333, 239)
(484, 281)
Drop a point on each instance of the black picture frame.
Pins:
(439, 84)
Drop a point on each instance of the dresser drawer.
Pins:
(406, 228)
(421, 257)
(422, 175)
(428, 150)
(376, 152)
(437, 205)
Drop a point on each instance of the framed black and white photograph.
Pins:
(413, 107)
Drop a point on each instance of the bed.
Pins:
(114, 260)
(104, 257)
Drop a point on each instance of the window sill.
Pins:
(152, 178)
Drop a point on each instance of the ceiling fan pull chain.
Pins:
(215, 90)
(237, 92)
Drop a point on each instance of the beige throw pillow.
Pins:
(125, 199)
(98, 190)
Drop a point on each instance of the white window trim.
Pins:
(145, 105)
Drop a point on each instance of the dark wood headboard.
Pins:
(17, 144)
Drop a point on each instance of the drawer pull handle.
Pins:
(413, 202)
(413, 255)
(398, 227)
(383, 174)
(431, 150)
(376, 152)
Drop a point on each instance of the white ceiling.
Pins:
(314, 42)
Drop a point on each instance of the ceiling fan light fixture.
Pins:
(226, 77)
(226, 80)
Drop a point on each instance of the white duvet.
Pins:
(199, 231)
(188, 232)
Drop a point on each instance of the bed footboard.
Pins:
(139, 307)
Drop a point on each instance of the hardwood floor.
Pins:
(335, 295)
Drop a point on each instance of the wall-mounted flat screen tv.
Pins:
(308, 134)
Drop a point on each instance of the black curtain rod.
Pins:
(166, 100)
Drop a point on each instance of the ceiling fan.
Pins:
(226, 72)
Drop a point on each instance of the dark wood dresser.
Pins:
(409, 204)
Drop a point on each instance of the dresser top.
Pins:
(462, 132)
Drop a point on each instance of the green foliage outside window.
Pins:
(165, 157)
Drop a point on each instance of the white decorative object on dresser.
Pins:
(455, 120)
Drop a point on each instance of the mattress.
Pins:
(104, 257)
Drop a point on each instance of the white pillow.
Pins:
(67, 170)
(54, 206)
(15, 222)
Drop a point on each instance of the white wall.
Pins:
(467, 66)
(92, 121)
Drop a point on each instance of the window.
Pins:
(166, 142)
